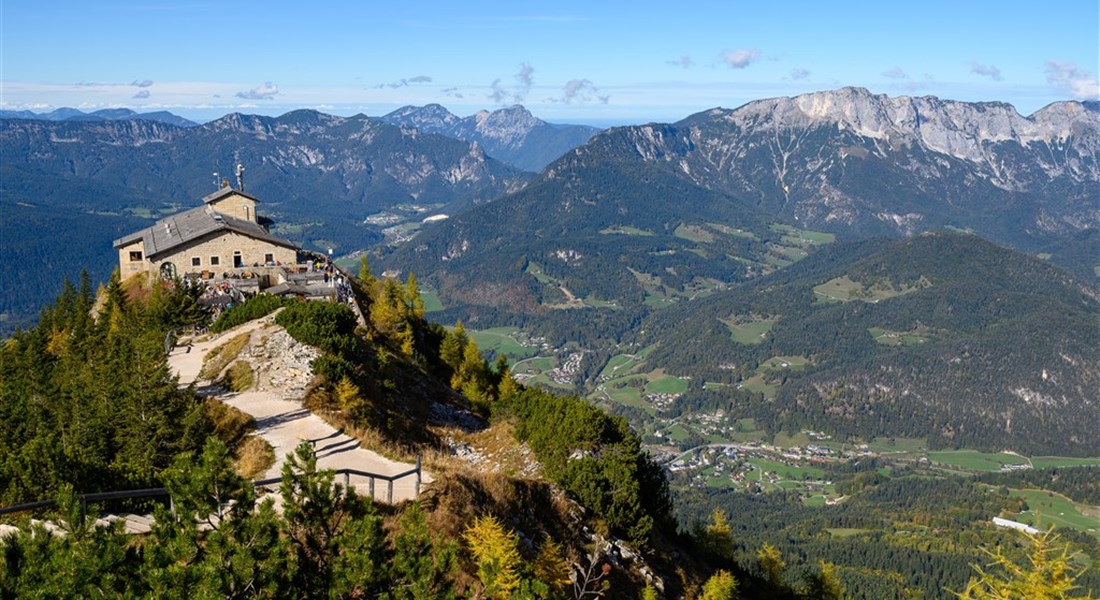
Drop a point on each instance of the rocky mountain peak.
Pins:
(430, 118)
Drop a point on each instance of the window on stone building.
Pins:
(135, 256)
(269, 258)
(214, 261)
(196, 261)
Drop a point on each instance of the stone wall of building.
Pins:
(236, 205)
(127, 266)
(224, 246)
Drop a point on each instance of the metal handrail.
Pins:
(155, 492)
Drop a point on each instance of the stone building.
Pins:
(223, 236)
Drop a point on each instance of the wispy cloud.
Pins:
(141, 94)
(580, 91)
(895, 73)
(684, 62)
(1066, 76)
(453, 92)
(740, 58)
(267, 91)
(797, 74)
(990, 71)
(525, 79)
(400, 83)
(144, 83)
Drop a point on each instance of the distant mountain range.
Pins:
(328, 182)
(106, 114)
(645, 204)
(512, 135)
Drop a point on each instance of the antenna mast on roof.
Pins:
(240, 177)
(217, 181)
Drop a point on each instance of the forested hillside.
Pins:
(942, 336)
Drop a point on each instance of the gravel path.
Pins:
(285, 423)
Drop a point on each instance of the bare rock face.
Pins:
(282, 364)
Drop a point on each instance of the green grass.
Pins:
(1043, 462)
(694, 233)
(844, 532)
(627, 396)
(843, 289)
(538, 364)
(815, 501)
(432, 303)
(887, 337)
(732, 231)
(501, 341)
(678, 433)
(910, 445)
(1048, 508)
(597, 303)
(803, 237)
(654, 301)
(756, 383)
(351, 264)
(667, 385)
(975, 461)
(536, 271)
(625, 230)
(749, 330)
(794, 363)
(787, 471)
(618, 365)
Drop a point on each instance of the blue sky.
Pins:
(593, 62)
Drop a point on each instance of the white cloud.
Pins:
(579, 91)
(400, 83)
(525, 79)
(797, 74)
(141, 94)
(144, 83)
(684, 62)
(1081, 84)
(895, 73)
(741, 58)
(267, 91)
(989, 71)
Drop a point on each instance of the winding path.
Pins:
(285, 423)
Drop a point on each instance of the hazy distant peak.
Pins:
(430, 118)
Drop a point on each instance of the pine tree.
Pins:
(1048, 575)
(422, 563)
(551, 567)
(721, 586)
(496, 556)
(413, 297)
(365, 274)
(453, 345)
(348, 396)
(718, 536)
(771, 562)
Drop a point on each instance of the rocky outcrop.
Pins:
(281, 363)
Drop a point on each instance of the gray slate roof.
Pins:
(176, 230)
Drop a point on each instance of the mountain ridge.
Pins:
(510, 134)
(105, 114)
